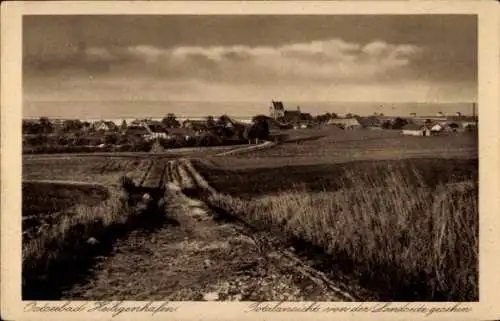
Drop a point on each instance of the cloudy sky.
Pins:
(426, 58)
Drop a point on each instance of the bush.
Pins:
(206, 140)
(399, 123)
(142, 146)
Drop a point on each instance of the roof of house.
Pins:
(197, 124)
(195, 121)
(137, 130)
(180, 131)
(110, 123)
(292, 114)
(344, 121)
(306, 116)
(106, 123)
(152, 122)
(278, 105)
(156, 128)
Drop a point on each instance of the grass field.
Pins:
(69, 228)
(68, 201)
(339, 145)
(254, 182)
(48, 204)
(45, 198)
(82, 169)
(402, 224)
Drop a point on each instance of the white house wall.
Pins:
(413, 132)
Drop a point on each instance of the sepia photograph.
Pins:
(250, 158)
(254, 160)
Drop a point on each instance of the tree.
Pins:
(111, 139)
(223, 120)
(63, 140)
(87, 127)
(221, 132)
(72, 125)
(454, 126)
(170, 121)
(258, 130)
(81, 141)
(208, 139)
(399, 123)
(31, 127)
(262, 130)
(349, 115)
(211, 122)
(386, 124)
(123, 126)
(259, 118)
(46, 126)
(471, 128)
(248, 134)
(321, 119)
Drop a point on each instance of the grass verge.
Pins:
(63, 253)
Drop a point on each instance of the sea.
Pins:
(117, 111)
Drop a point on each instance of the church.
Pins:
(277, 112)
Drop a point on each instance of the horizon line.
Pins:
(245, 117)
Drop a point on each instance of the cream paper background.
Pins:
(489, 118)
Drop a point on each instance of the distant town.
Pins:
(50, 135)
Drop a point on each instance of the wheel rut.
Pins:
(200, 257)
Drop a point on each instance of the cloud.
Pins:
(319, 70)
(326, 60)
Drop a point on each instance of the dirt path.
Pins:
(199, 258)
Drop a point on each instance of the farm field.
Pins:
(407, 220)
(82, 169)
(68, 200)
(249, 183)
(396, 215)
(195, 256)
(46, 198)
(71, 199)
(370, 142)
(47, 204)
(396, 224)
(355, 145)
